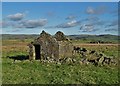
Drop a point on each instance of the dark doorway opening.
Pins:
(37, 52)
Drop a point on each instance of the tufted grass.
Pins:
(35, 72)
(22, 72)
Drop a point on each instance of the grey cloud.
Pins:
(72, 23)
(100, 22)
(99, 10)
(33, 23)
(115, 12)
(18, 25)
(6, 24)
(87, 28)
(90, 10)
(25, 23)
(15, 30)
(112, 24)
(94, 30)
(91, 18)
(111, 29)
(50, 27)
(50, 13)
(71, 17)
(94, 20)
(0, 24)
(16, 17)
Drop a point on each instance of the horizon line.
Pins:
(53, 34)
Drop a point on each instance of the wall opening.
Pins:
(37, 52)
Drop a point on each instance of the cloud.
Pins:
(50, 13)
(70, 17)
(100, 22)
(94, 21)
(13, 30)
(25, 23)
(72, 23)
(99, 10)
(90, 10)
(0, 24)
(91, 18)
(112, 24)
(16, 17)
(50, 27)
(91, 23)
(16, 21)
(5, 24)
(18, 25)
(33, 23)
(115, 12)
(94, 30)
(87, 28)
(111, 29)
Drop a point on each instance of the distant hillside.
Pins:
(86, 38)
(97, 38)
(19, 36)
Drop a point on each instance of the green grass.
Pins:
(35, 72)
(22, 72)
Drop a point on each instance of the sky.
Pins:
(72, 18)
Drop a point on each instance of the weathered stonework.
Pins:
(52, 47)
(65, 49)
(31, 51)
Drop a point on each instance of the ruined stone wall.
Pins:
(65, 49)
(59, 36)
(49, 49)
(31, 52)
(53, 47)
(49, 46)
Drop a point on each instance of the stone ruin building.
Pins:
(48, 46)
(60, 48)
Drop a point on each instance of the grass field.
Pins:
(35, 72)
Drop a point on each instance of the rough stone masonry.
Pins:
(52, 47)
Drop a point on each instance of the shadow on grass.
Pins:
(19, 57)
